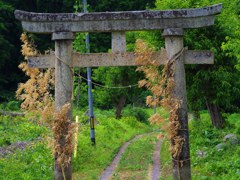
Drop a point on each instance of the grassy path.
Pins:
(136, 159)
(156, 161)
(110, 169)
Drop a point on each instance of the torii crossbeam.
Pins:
(117, 21)
(62, 26)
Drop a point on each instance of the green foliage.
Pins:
(10, 31)
(218, 83)
(18, 129)
(214, 163)
(101, 42)
(10, 106)
(234, 121)
(139, 113)
(165, 159)
(137, 158)
(116, 77)
(35, 162)
(80, 89)
(9, 51)
(110, 135)
(208, 162)
(123, 5)
(139, 154)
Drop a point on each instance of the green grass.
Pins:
(110, 135)
(136, 161)
(36, 162)
(165, 161)
(160, 111)
(13, 129)
(218, 164)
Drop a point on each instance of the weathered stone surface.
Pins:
(118, 21)
(231, 138)
(174, 45)
(201, 154)
(4, 151)
(63, 96)
(124, 15)
(42, 61)
(118, 42)
(173, 32)
(220, 146)
(60, 24)
(62, 36)
(117, 25)
(118, 59)
(198, 57)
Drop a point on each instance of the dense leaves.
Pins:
(208, 160)
(9, 51)
(219, 83)
(10, 31)
(114, 76)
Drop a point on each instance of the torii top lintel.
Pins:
(117, 21)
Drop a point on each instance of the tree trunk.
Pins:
(119, 106)
(215, 114)
(196, 115)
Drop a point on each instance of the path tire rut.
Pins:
(108, 172)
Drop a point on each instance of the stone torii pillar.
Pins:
(63, 87)
(63, 25)
(173, 45)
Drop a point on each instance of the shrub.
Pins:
(10, 106)
(139, 113)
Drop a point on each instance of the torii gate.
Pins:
(62, 26)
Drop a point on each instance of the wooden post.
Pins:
(63, 89)
(174, 44)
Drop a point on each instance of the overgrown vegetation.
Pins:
(36, 161)
(161, 82)
(220, 81)
(19, 129)
(110, 135)
(208, 161)
(36, 92)
(136, 162)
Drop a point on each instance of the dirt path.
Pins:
(110, 169)
(156, 161)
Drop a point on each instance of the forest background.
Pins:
(213, 87)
